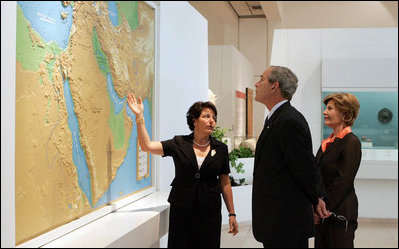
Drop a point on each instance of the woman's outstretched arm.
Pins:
(146, 144)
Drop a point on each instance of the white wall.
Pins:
(363, 57)
(300, 51)
(253, 44)
(378, 198)
(183, 74)
(229, 71)
(338, 14)
(329, 14)
(222, 21)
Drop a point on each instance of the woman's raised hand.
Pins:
(136, 107)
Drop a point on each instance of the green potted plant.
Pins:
(233, 156)
(219, 133)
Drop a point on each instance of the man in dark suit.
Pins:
(284, 183)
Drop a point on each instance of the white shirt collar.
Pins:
(275, 108)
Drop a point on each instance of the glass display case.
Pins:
(376, 125)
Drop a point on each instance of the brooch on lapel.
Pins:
(213, 152)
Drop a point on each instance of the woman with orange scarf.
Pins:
(338, 160)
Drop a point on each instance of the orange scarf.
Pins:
(326, 142)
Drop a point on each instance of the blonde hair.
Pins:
(347, 104)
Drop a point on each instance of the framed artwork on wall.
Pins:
(249, 120)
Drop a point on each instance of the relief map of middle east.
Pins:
(76, 139)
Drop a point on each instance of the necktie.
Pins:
(266, 122)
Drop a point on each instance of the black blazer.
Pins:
(192, 187)
(284, 183)
(339, 164)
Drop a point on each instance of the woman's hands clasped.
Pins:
(321, 212)
(136, 107)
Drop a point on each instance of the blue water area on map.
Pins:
(78, 154)
(125, 182)
(118, 102)
(113, 12)
(45, 18)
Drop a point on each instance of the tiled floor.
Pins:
(370, 234)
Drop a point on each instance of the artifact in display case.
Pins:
(366, 142)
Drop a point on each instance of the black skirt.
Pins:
(194, 228)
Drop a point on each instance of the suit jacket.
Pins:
(191, 186)
(339, 164)
(284, 183)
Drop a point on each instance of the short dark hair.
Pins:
(195, 111)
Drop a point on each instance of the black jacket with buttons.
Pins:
(193, 187)
(339, 164)
(284, 184)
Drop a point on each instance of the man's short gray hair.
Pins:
(287, 80)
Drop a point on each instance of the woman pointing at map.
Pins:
(202, 173)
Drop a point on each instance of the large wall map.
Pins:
(76, 139)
